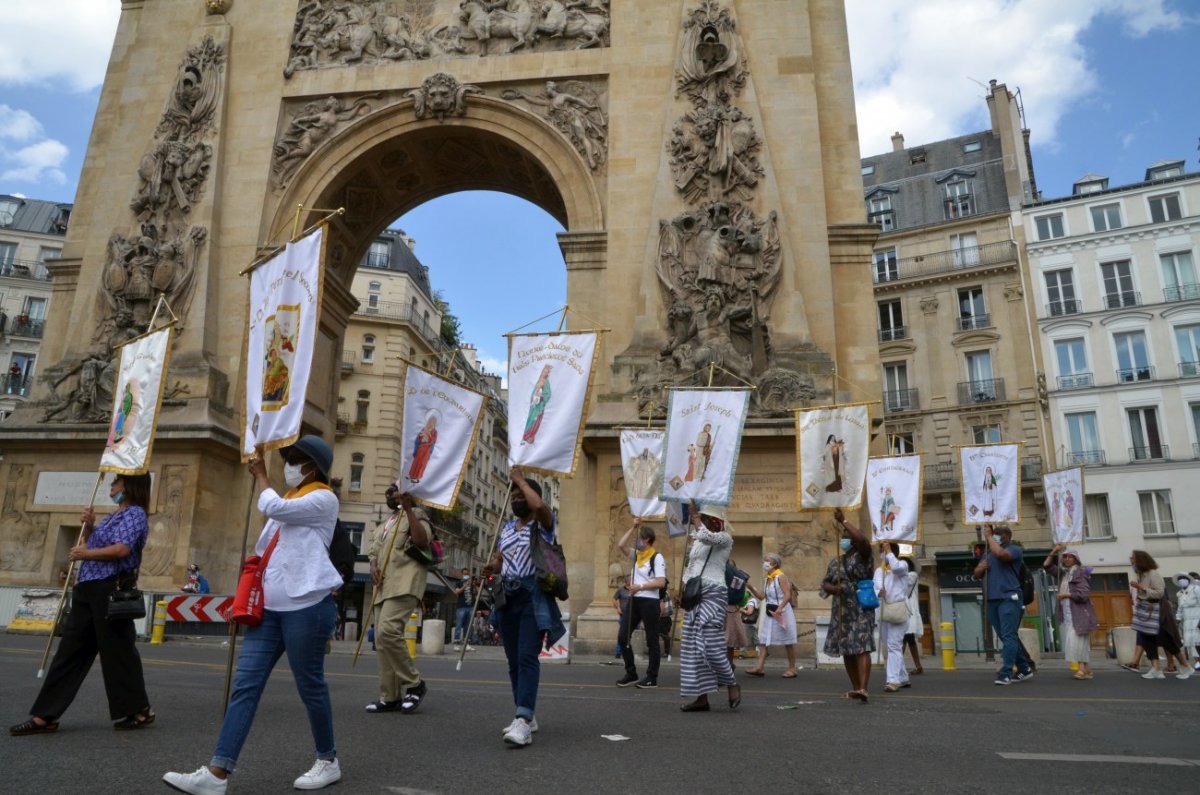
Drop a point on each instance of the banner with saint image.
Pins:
(440, 425)
(549, 383)
(832, 447)
(704, 435)
(1064, 495)
(141, 376)
(894, 497)
(991, 483)
(642, 463)
(285, 302)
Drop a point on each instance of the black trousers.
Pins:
(644, 612)
(88, 632)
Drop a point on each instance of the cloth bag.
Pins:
(248, 600)
(549, 563)
(894, 612)
(1146, 617)
(865, 592)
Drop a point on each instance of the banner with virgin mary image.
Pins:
(285, 302)
(1064, 495)
(894, 498)
(137, 396)
(440, 425)
(991, 483)
(642, 463)
(704, 435)
(832, 447)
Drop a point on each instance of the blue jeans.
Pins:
(302, 634)
(522, 644)
(462, 624)
(1005, 618)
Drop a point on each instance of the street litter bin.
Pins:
(1124, 640)
(1031, 642)
(433, 636)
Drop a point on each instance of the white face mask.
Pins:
(293, 474)
(767, 565)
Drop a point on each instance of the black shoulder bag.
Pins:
(127, 602)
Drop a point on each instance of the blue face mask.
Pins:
(998, 539)
(844, 544)
(641, 544)
(119, 497)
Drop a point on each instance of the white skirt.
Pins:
(1076, 648)
(772, 633)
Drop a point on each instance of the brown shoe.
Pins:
(32, 727)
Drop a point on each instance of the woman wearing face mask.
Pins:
(1187, 613)
(526, 616)
(298, 616)
(1076, 616)
(649, 577)
(779, 626)
(891, 586)
(703, 662)
(111, 553)
(1149, 588)
(851, 627)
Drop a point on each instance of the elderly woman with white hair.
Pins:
(779, 626)
(703, 663)
(1076, 616)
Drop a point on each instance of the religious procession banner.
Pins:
(991, 483)
(704, 435)
(285, 302)
(678, 520)
(549, 383)
(141, 377)
(641, 460)
(441, 423)
(1064, 493)
(832, 447)
(894, 488)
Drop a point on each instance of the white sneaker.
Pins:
(519, 734)
(323, 773)
(1154, 673)
(457, 647)
(470, 648)
(533, 727)
(202, 782)
(1184, 673)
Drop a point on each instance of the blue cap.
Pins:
(317, 450)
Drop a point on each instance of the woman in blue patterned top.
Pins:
(111, 554)
(528, 617)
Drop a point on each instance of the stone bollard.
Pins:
(433, 636)
(1031, 642)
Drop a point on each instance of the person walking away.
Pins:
(1187, 613)
(647, 580)
(779, 626)
(1076, 615)
(735, 631)
(528, 617)
(620, 602)
(1170, 639)
(703, 664)
(890, 581)
(916, 626)
(111, 553)
(999, 569)
(465, 591)
(1149, 589)
(299, 615)
(851, 626)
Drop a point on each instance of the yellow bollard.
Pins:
(410, 633)
(160, 624)
(948, 646)
(1074, 666)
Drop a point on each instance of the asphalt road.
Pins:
(952, 732)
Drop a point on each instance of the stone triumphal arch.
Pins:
(701, 155)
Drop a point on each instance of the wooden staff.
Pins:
(387, 556)
(233, 625)
(462, 652)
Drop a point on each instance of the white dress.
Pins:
(916, 626)
(771, 632)
(1076, 647)
(1188, 615)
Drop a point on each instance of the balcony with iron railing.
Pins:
(1001, 253)
(25, 326)
(1182, 292)
(1031, 468)
(1129, 375)
(16, 385)
(394, 310)
(1189, 369)
(941, 476)
(1070, 306)
(900, 400)
(24, 269)
(970, 322)
(342, 426)
(347, 362)
(1085, 458)
(1154, 452)
(1075, 381)
(893, 333)
(1122, 298)
(983, 391)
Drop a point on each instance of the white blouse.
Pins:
(721, 545)
(299, 573)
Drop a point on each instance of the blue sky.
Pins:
(1108, 86)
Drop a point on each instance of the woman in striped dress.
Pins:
(703, 663)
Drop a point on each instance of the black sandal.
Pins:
(412, 699)
(734, 702)
(32, 727)
(695, 706)
(137, 721)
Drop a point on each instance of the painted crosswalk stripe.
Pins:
(1125, 760)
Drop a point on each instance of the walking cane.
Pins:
(387, 556)
(62, 599)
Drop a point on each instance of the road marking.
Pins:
(1124, 760)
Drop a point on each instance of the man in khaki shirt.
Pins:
(399, 582)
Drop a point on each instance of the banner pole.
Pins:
(387, 556)
(233, 625)
(479, 592)
(62, 599)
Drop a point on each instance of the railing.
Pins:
(1075, 381)
(941, 476)
(378, 259)
(984, 391)
(893, 333)
(952, 260)
(342, 425)
(16, 385)
(1131, 374)
(1087, 458)
(347, 360)
(900, 400)
(1188, 369)
(27, 327)
(1183, 292)
(394, 310)
(1068, 307)
(1122, 298)
(974, 321)
(24, 269)
(1031, 467)
(1155, 452)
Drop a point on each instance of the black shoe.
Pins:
(412, 698)
(627, 680)
(647, 684)
(1023, 676)
(383, 706)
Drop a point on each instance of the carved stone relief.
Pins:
(332, 33)
(308, 129)
(441, 95)
(25, 537)
(158, 559)
(576, 110)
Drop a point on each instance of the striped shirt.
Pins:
(127, 526)
(514, 547)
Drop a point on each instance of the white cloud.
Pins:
(496, 366)
(40, 160)
(918, 66)
(18, 125)
(64, 41)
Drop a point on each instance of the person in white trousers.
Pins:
(891, 585)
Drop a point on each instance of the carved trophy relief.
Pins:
(711, 67)
(310, 127)
(24, 542)
(441, 95)
(574, 108)
(159, 557)
(714, 154)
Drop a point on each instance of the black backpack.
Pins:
(342, 553)
(1027, 588)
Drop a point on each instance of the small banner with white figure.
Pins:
(991, 483)
(549, 383)
(141, 377)
(832, 447)
(894, 498)
(678, 519)
(642, 463)
(704, 435)
(285, 302)
(1064, 495)
(441, 423)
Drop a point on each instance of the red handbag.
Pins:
(248, 600)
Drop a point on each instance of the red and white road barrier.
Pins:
(199, 608)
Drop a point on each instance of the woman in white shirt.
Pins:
(779, 626)
(703, 663)
(891, 586)
(649, 578)
(298, 616)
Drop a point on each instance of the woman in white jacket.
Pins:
(1187, 613)
(916, 627)
(891, 586)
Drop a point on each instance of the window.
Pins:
(364, 406)
(896, 394)
(34, 308)
(901, 444)
(1060, 289)
(368, 348)
(959, 202)
(8, 211)
(917, 157)
(1097, 521)
(868, 170)
(1143, 432)
(986, 434)
(1083, 440)
(979, 373)
(1133, 363)
(20, 374)
(1164, 171)
(8, 253)
(1106, 217)
(891, 321)
(886, 268)
(1179, 276)
(1050, 227)
(971, 311)
(1118, 284)
(1157, 517)
(972, 146)
(1188, 340)
(413, 316)
(1073, 370)
(1165, 208)
(356, 471)
(964, 250)
(1195, 409)
(879, 212)
(380, 254)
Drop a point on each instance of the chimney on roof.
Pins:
(897, 142)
